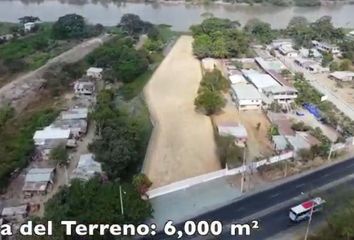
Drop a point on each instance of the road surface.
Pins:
(314, 80)
(275, 220)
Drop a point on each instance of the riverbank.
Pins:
(177, 14)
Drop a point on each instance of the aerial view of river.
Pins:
(179, 15)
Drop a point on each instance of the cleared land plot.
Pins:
(257, 143)
(182, 144)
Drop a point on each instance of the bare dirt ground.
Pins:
(258, 144)
(182, 144)
(24, 89)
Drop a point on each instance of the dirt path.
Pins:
(24, 89)
(182, 144)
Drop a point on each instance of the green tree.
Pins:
(60, 155)
(215, 81)
(70, 26)
(345, 65)
(209, 101)
(93, 201)
(261, 31)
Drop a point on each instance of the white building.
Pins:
(281, 42)
(29, 26)
(288, 50)
(326, 47)
(54, 135)
(345, 76)
(260, 80)
(94, 72)
(311, 66)
(246, 96)
(281, 94)
(84, 88)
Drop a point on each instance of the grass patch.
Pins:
(5, 27)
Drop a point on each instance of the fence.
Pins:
(189, 182)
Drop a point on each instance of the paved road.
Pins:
(253, 204)
(314, 80)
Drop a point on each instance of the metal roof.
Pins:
(94, 70)
(235, 130)
(280, 142)
(260, 80)
(50, 133)
(245, 91)
(39, 175)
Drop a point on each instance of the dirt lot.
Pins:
(182, 144)
(258, 143)
(24, 89)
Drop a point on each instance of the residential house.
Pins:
(281, 94)
(287, 50)
(51, 137)
(345, 76)
(15, 214)
(77, 127)
(281, 42)
(302, 141)
(246, 96)
(260, 80)
(29, 26)
(38, 181)
(94, 72)
(326, 47)
(87, 168)
(311, 66)
(84, 87)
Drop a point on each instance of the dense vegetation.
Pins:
(16, 145)
(210, 99)
(219, 38)
(322, 29)
(125, 63)
(122, 142)
(27, 52)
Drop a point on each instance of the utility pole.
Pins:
(121, 199)
(244, 169)
(309, 222)
(330, 152)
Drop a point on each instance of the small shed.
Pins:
(238, 131)
(94, 72)
(29, 26)
(38, 181)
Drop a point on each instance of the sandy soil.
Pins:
(257, 143)
(24, 89)
(182, 144)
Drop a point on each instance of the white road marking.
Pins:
(300, 185)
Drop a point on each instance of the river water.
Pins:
(180, 16)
